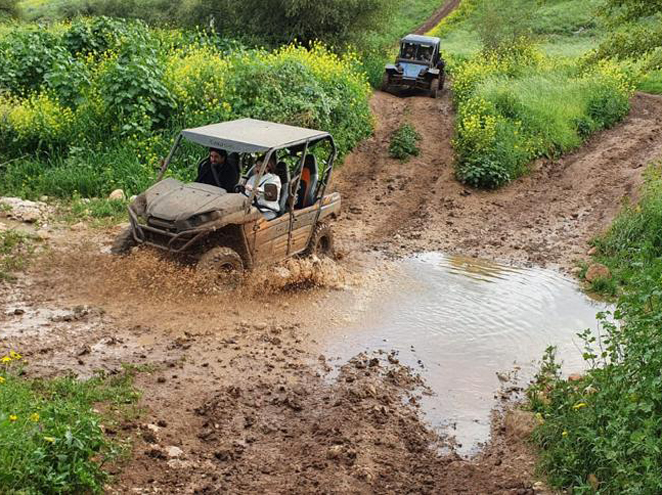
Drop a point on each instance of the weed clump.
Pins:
(16, 249)
(52, 439)
(404, 142)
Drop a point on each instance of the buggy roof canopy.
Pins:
(421, 40)
(250, 135)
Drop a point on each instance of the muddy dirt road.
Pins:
(238, 398)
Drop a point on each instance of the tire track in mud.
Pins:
(546, 217)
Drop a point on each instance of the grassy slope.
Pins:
(566, 28)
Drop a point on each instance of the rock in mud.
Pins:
(174, 452)
(117, 195)
(24, 210)
(596, 271)
(519, 424)
(575, 377)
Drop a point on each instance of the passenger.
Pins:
(218, 171)
(409, 51)
(270, 209)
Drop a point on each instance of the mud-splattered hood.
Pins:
(173, 200)
(411, 70)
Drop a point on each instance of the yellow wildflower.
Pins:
(579, 406)
(34, 417)
(13, 417)
(14, 355)
(564, 434)
(6, 359)
(49, 439)
(2, 380)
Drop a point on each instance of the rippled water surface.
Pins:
(466, 320)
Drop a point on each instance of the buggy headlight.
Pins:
(204, 218)
(139, 206)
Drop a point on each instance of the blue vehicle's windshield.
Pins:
(416, 52)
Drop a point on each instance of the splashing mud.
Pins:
(150, 274)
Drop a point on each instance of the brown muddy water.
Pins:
(460, 322)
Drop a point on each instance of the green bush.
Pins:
(9, 9)
(607, 427)
(404, 142)
(52, 440)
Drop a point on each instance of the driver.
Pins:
(270, 209)
(216, 171)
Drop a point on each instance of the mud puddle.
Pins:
(471, 328)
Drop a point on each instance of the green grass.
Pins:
(652, 83)
(528, 96)
(52, 435)
(608, 427)
(16, 250)
(563, 28)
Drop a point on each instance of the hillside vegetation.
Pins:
(603, 432)
(519, 89)
(92, 105)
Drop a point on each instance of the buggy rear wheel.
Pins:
(123, 243)
(434, 88)
(321, 242)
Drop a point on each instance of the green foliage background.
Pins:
(520, 92)
(91, 105)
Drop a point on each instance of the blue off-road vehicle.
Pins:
(418, 66)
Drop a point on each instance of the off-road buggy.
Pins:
(224, 230)
(418, 66)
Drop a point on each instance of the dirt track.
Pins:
(237, 383)
(546, 218)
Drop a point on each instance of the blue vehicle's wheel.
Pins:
(434, 88)
(386, 81)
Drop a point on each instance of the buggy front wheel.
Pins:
(434, 88)
(221, 260)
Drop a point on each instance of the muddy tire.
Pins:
(321, 242)
(123, 243)
(386, 81)
(221, 260)
(434, 88)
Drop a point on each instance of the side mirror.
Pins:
(271, 192)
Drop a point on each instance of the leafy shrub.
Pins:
(404, 142)
(608, 426)
(26, 57)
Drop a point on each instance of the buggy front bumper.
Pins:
(164, 238)
(398, 81)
